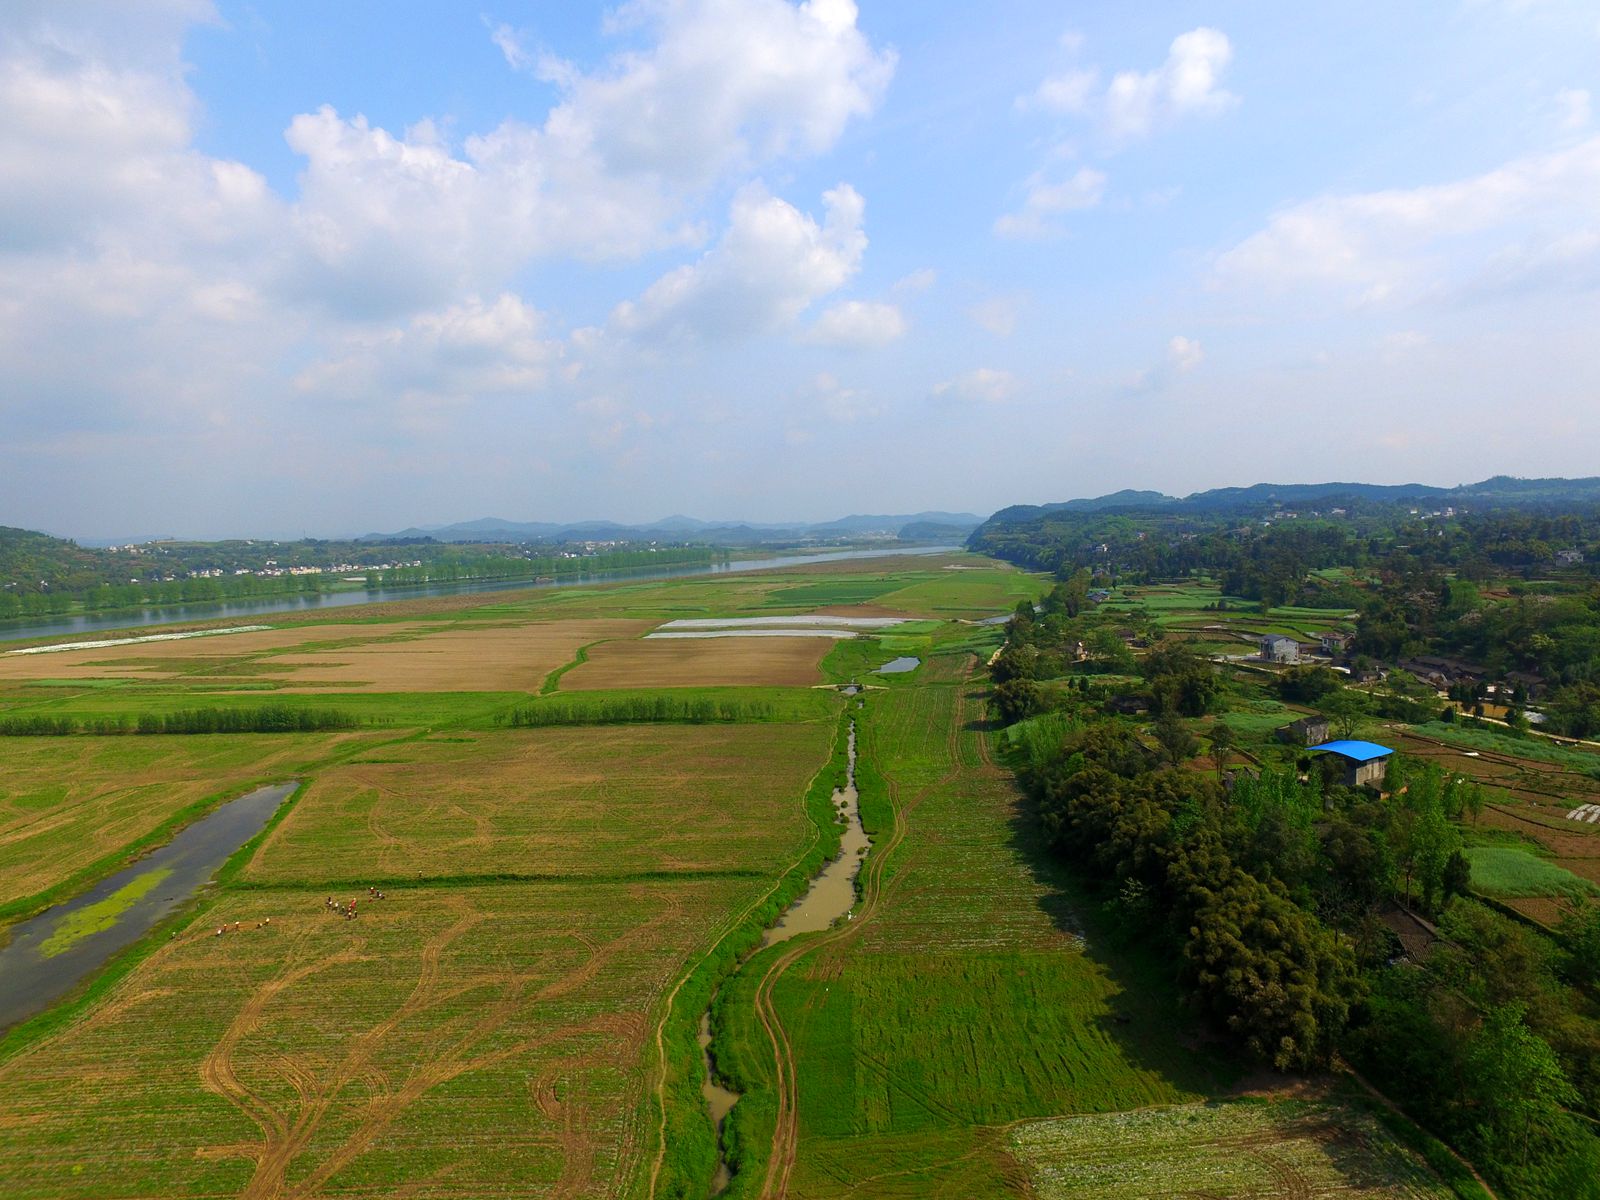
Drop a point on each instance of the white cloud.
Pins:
(1185, 353)
(509, 43)
(1134, 104)
(471, 349)
(917, 281)
(1187, 84)
(389, 270)
(390, 224)
(1573, 108)
(769, 266)
(984, 385)
(858, 324)
(1072, 91)
(844, 405)
(997, 314)
(1048, 199)
(724, 86)
(1402, 244)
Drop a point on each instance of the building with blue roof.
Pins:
(1365, 763)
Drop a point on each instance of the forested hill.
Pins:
(1499, 491)
(28, 559)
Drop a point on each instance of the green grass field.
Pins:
(1507, 872)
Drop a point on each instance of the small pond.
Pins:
(899, 666)
(50, 954)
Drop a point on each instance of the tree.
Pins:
(1017, 699)
(1307, 685)
(1517, 1084)
(1177, 743)
(1457, 877)
(1181, 681)
(1580, 934)
(1221, 745)
(1344, 708)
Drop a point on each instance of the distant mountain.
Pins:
(681, 528)
(1501, 490)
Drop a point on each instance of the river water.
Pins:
(52, 953)
(39, 627)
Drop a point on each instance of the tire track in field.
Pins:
(786, 1135)
(287, 1131)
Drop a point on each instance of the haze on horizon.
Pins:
(292, 267)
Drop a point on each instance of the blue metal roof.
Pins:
(1355, 751)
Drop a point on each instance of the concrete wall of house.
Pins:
(1280, 652)
(1367, 774)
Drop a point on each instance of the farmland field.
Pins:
(379, 657)
(904, 1029)
(580, 834)
(570, 802)
(700, 662)
(66, 803)
(1283, 1150)
(461, 1041)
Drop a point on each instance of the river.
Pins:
(15, 629)
(50, 954)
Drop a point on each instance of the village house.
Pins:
(1275, 648)
(1307, 731)
(1335, 644)
(1571, 557)
(1365, 763)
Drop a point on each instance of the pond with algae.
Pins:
(50, 954)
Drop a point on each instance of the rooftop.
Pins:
(1353, 750)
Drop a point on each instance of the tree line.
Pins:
(266, 718)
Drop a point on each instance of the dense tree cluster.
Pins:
(263, 718)
(1274, 890)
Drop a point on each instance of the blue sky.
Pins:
(293, 267)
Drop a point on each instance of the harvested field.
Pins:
(145, 659)
(1546, 910)
(591, 801)
(67, 802)
(1283, 1150)
(701, 662)
(465, 1042)
(410, 657)
(499, 658)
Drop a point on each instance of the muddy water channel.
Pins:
(830, 898)
(832, 893)
(719, 1103)
(52, 953)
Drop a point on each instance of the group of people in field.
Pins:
(236, 927)
(348, 910)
